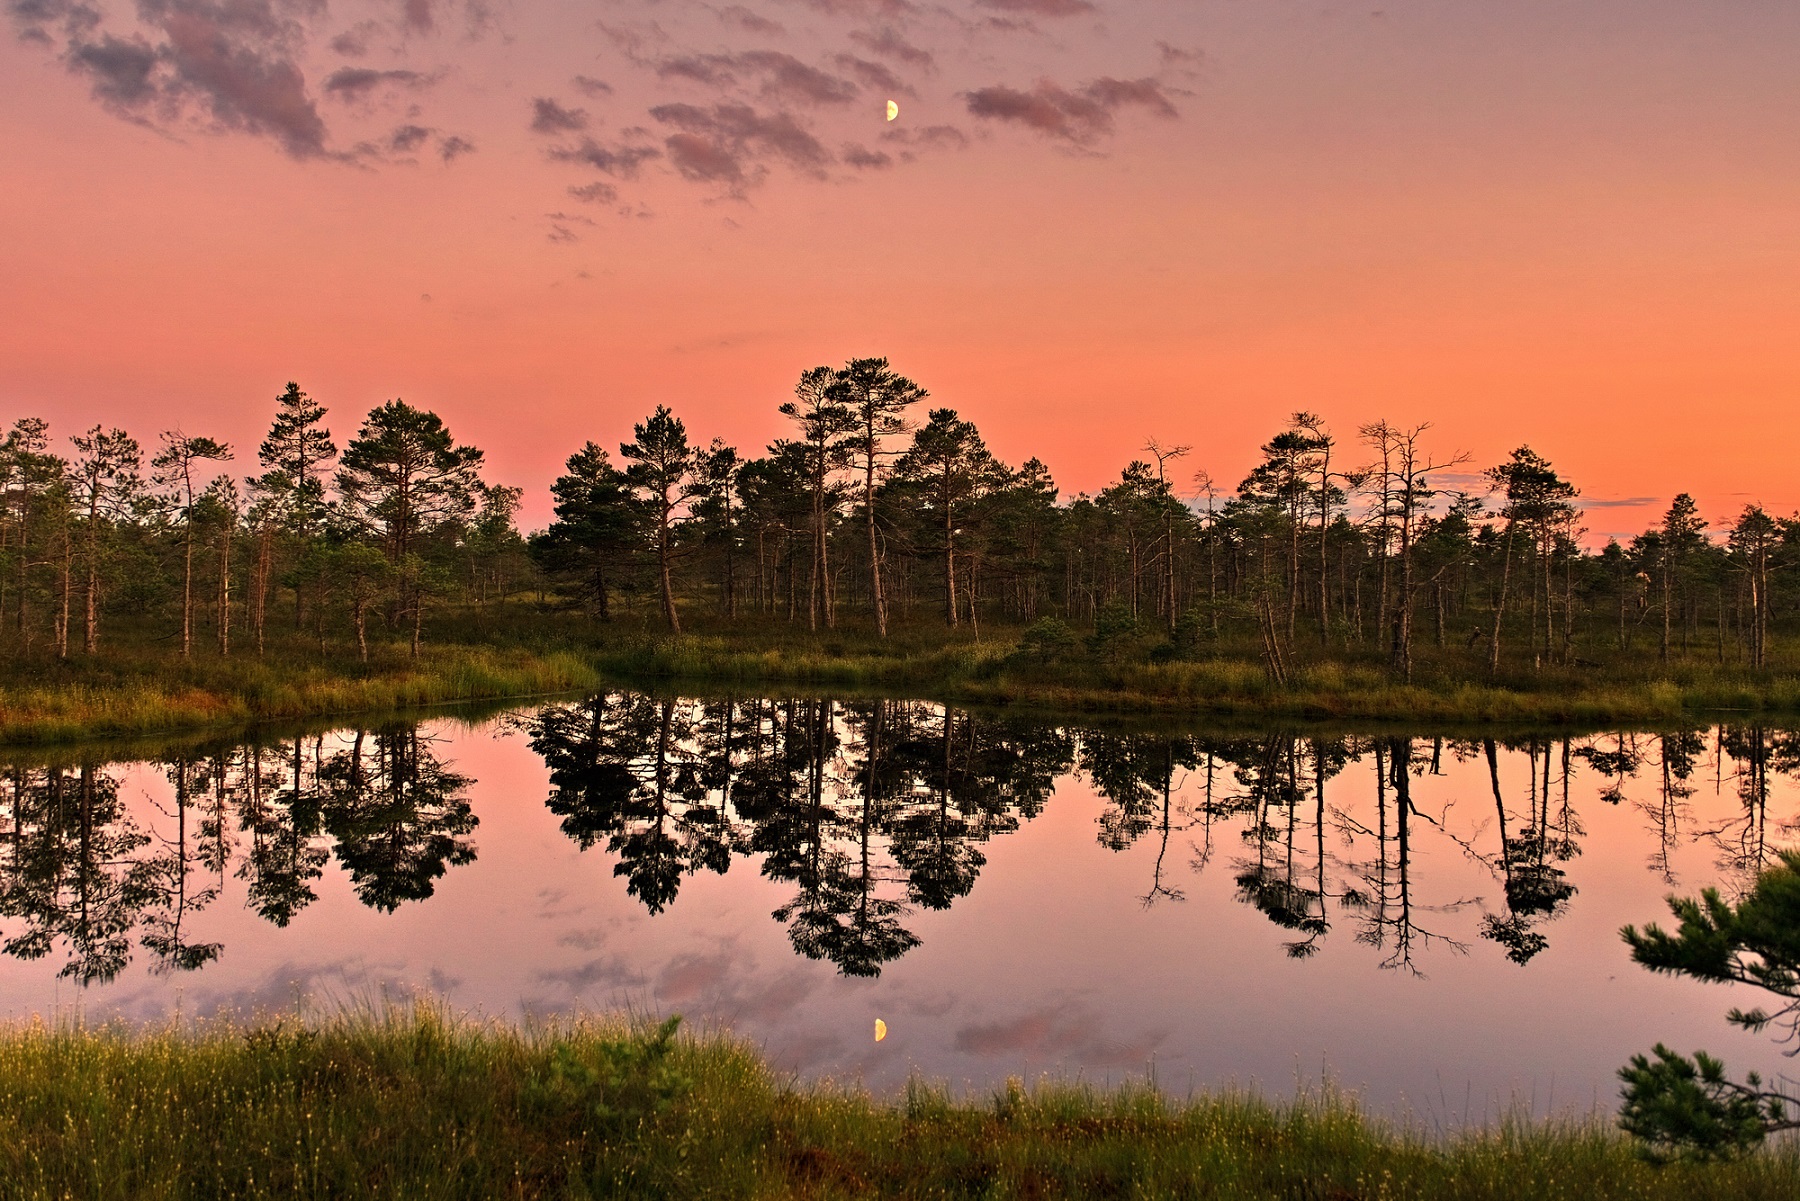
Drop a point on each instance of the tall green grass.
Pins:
(417, 1104)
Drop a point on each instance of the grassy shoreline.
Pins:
(992, 674)
(415, 1103)
(222, 695)
(140, 690)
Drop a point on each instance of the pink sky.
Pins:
(1568, 225)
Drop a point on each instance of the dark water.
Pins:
(1431, 921)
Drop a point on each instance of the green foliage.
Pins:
(1756, 942)
(1188, 640)
(1686, 1107)
(1116, 632)
(404, 476)
(1190, 632)
(1048, 640)
(597, 523)
(618, 1082)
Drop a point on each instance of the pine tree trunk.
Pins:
(62, 616)
(666, 580)
(187, 596)
(1500, 603)
(91, 631)
(1169, 567)
(225, 593)
(1663, 650)
(949, 556)
(260, 598)
(876, 596)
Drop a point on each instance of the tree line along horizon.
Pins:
(869, 513)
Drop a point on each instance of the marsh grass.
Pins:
(141, 694)
(137, 686)
(1223, 680)
(417, 1103)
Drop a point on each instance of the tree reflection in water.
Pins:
(868, 812)
(867, 809)
(82, 875)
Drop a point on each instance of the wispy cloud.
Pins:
(864, 159)
(751, 22)
(226, 66)
(356, 83)
(1041, 8)
(622, 160)
(1081, 116)
(549, 117)
(886, 43)
(776, 75)
(732, 144)
(873, 75)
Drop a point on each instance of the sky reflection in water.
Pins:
(1431, 921)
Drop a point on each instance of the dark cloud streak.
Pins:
(226, 65)
(864, 159)
(729, 143)
(549, 117)
(750, 22)
(887, 43)
(1041, 8)
(782, 76)
(873, 75)
(1080, 117)
(355, 83)
(621, 161)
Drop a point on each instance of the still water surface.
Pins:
(1430, 921)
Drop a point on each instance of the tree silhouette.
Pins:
(401, 478)
(400, 816)
(106, 486)
(595, 529)
(950, 465)
(875, 398)
(661, 475)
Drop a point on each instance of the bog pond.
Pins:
(1430, 921)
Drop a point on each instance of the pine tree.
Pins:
(1689, 1107)
(175, 466)
(876, 399)
(662, 476)
(402, 478)
(106, 483)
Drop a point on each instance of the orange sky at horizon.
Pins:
(1570, 227)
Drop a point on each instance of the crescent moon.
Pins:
(893, 110)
